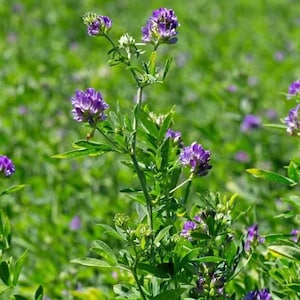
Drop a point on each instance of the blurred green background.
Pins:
(233, 58)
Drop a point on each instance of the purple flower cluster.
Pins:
(189, 226)
(161, 27)
(97, 25)
(258, 295)
(295, 235)
(250, 122)
(253, 237)
(196, 158)
(88, 106)
(292, 121)
(294, 89)
(174, 135)
(7, 167)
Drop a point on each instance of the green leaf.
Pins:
(167, 67)
(152, 63)
(294, 200)
(39, 293)
(105, 251)
(12, 189)
(90, 262)
(209, 259)
(277, 126)
(112, 232)
(277, 275)
(167, 123)
(285, 251)
(4, 272)
(148, 124)
(170, 294)
(91, 149)
(18, 297)
(294, 286)
(18, 267)
(275, 237)
(293, 171)
(271, 176)
(149, 269)
(162, 234)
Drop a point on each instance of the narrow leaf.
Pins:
(12, 189)
(209, 259)
(285, 251)
(39, 293)
(271, 176)
(18, 297)
(277, 126)
(105, 251)
(167, 67)
(112, 232)
(4, 272)
(18, 267)
(90, 262)
(162, 234)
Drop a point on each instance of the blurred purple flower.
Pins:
(161, 27)
(295, 235)
(188, 226)
(279, 56)
(253, 237)
(196, 158)
(97, 25)
(232, 88)
(242, 156)
(294, 89)
(88, 106)
(258, 295)
(271, 114)
(252, 80)
(250, 122)
(292, 121)
(75, 223)
(7, 167)
(174, 135)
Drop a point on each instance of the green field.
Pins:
(232, 59)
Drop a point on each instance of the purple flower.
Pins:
(279, 56)
(174, 135)
(295, 235)
(242, 156)
(292, 121)
(253, 237)
(97, 25)
(6, 166)
(294, 89)
(75, 223)
(250, 122)
(232, 88)
(196, 158)
(258, 295)
(188, 226)
(88, 106)
(161, 27)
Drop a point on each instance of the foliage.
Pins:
(231, 60)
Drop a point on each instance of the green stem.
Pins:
(138, 284)
(126, 62)
(139, 172)
(112, 143)
(187, 181)
(187, 189)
